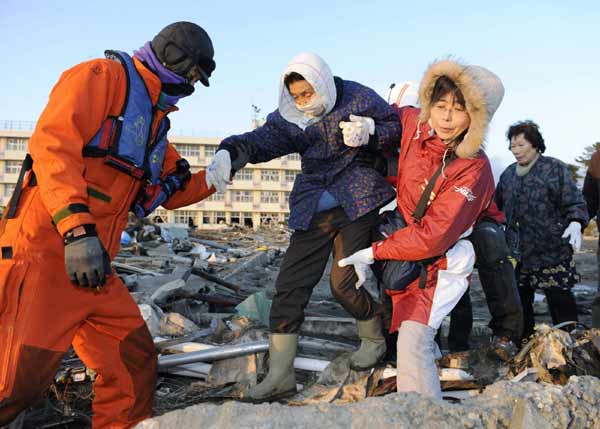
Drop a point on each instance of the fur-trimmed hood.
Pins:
(483, 91)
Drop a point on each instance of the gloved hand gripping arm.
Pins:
(361, 261)
(221, 170)
(218, 173)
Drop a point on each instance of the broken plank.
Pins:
(208, 243)
(215, 279)
(133, 270)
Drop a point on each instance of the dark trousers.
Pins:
(561, 304)
(305, 262)
(461, 324)
(499, 285)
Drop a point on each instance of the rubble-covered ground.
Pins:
(213, 290)
(502, 405)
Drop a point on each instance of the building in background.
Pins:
(259, 193)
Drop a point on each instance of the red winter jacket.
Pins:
(457, 201)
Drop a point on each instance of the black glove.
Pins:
(86, 260)
(241, 159)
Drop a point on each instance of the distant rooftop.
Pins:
(217, 135)
(7, 124)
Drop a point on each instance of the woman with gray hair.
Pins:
(545, 214)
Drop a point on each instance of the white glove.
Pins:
(573, 233)
(356, 132)
(219, 171)
(361, 261)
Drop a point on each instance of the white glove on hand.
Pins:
(573, 233)
(361, 261)
(219, 171)
(356, 132)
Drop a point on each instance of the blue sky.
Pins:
(546, 53)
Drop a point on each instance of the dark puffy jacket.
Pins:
(538, 208)
(327, 163)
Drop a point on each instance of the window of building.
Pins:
(242, 196)
(12, 167)
(16, 144)
(209, 151)
(217, 196)
(294, 157)
(247, 219)
(269, 218)
(221, 218)
(290, 175)
(244, 174)
(286, 197)
(237, 218)
(8, 189)
(182, 216)
(188, 149)
(208, 217)
(269, 175)
(159, 214)
(269, 197)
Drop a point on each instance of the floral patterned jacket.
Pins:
(327, 163)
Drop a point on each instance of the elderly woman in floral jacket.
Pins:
(545, 214)
(337, 126)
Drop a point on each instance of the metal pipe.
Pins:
(161, 345)
(218, 353)
(324, 345)
(196, 370)
(201, 370)
(228, 352)
(308, 364)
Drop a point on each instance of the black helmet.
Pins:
(183, 45)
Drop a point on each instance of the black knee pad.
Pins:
(489, 243)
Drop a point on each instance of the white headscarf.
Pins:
(316, 72)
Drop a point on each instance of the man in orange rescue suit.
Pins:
(99, 151)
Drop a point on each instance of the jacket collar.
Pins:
(430, 141)
(152, 81)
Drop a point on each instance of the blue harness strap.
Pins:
(126, 143)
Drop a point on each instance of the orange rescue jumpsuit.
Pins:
(41, 312)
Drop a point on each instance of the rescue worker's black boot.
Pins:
(280, 382)
(372, 345)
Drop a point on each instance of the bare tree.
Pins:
(585, 158)
(574, 170)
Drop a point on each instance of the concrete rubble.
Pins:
(206, 297)
(502, 405)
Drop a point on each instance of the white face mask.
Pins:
(314, 108)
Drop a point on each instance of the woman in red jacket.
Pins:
(445, 136)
